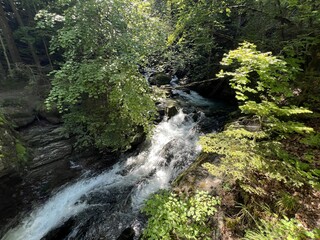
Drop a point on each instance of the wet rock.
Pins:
(20, 114)
(138, 138)
(207, 125)
(217, 89)
(52, 152)
(12, 151)
(127, 234)
(61, 232)
(41, 134)
(168, 152)
(159, 79)
(52, 116)
(171, 111)
(47, 142)
(19, 106)
(167, 108)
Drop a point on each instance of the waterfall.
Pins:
(119, 192)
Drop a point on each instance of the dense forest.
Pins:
(87, 62)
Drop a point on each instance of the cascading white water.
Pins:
(173, 147)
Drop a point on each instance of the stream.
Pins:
(104, 205)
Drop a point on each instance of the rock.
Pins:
(61, 232)
(42, 134)
(12, 152)
(160, 79)
(52, 116)
(51, 153)
(167, 107)
(168, 151)
(218, 89)
(208, 125)
(19, 112)
(21, 106)
(171, 111)
(48, 143)
(138, 138)
(127, 234)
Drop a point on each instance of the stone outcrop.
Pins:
(12, 151)
(159, 79)
(22, 107)
(47, 142)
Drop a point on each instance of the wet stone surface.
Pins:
(54, 163)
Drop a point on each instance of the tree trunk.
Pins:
(7, 33)
(2, 73)
(47, 53)
(5, 53)
(30, 45)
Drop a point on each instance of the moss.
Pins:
(22, 153)
(194, 172)
(2, 121)
(13, 154)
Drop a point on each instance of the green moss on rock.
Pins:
(22, 152)
(13, 154)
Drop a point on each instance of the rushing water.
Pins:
(102, 206)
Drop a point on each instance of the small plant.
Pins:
(175, 217)
(22, 153)
(312, 140)
(287, 203)
(283, 229)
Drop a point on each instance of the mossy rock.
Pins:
(196, 177)
(160, 79)
(13, 154)
(19, 111)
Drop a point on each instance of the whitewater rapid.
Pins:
(173, 147)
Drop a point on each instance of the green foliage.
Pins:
(99, 89)
(312, 140)
(13, 153)
(287, 203)
(2, 119)
(175, 217)
(252, 161)
(22, 153)
(272, 74)
(286, 229)
(196, 24)
(261, 82)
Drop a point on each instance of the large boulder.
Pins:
(19, 111)
(22, 106)
(217, 89)
(52, 116)
(160, 79)
(167, 107)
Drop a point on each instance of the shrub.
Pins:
(175, 217)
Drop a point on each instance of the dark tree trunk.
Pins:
(5, 54)
(7, 33)
(2, 72)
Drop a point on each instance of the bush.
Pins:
(175, 217)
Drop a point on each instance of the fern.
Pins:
(289, 229)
